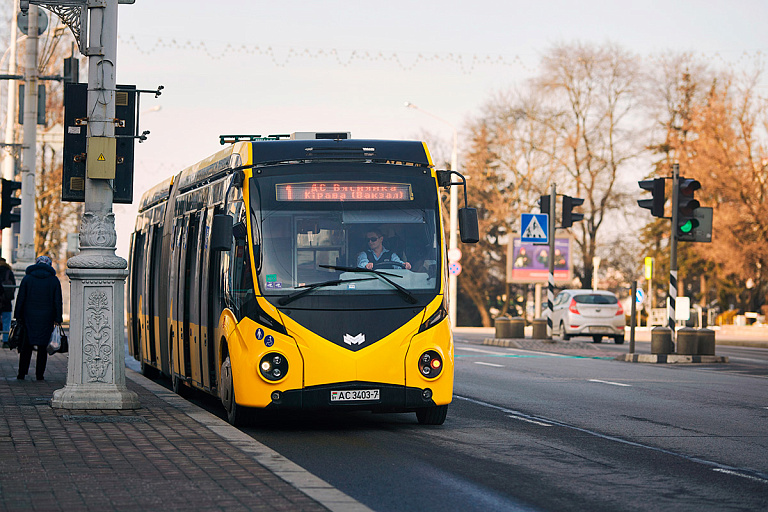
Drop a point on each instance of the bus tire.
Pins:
(149, 371)
(236, 414)
(178, 387)
(432, 415)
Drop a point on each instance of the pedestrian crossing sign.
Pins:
(534, 228)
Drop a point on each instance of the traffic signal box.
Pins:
(656, 203)
(75, 114)
(544, 204)
(687, 204)
(569, 217)
(9, 202)
(569, 203)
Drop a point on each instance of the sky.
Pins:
(255, 67)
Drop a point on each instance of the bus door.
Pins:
(149, 292)
(183, 298)
(174, 316)
(159, 290)
(134, 292)
(192, 298)
(207, 359)
(143, 312)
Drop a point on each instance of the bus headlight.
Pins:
(273, 366)
(430, 364)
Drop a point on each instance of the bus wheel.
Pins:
(235, 413)
(178, 387)
(149, 371)
(432, 415)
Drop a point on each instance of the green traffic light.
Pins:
(689, 225)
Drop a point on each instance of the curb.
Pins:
(301, 479)
(671, 358)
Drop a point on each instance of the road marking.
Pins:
(490, 364)
(742, 475)
(540, 423)
(715, 466)
(611, 383)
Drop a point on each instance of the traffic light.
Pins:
(686, 209)
(569, 203)
(544, 204)
(656, 204)
(9, 202)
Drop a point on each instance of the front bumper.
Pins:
(391, 398)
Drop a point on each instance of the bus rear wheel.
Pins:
(432, 415)
(236, 414)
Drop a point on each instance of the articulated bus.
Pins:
(303, 271)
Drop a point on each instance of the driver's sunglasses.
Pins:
(373, 238)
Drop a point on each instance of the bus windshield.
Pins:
(347, 248)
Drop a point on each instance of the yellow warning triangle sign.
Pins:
(101, 158)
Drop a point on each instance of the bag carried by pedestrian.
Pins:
(64, 341)
(16, 335)
(59, 342)
(54, 344)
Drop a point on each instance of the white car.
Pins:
(594, 313)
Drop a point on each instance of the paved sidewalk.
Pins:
(168, 455)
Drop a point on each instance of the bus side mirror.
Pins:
(470, 233)
(239, 231)
(221, 233)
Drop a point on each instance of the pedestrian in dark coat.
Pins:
(39, 307)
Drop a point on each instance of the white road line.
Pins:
(540, 423)
(611, 383)
(742, 475)
(490, 364)
(755, 476)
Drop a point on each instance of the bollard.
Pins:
(503, 327)
(517, 327)
(661, 341)
(706, 342)
(540, 329)
(687, 341)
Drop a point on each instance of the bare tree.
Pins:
(594, 118)
(506, 174)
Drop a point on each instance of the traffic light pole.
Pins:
(96, 367)
(551, 280)
(9, 160)
(673, 252)
(25, 254)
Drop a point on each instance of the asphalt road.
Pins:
(532, 431)
(537, 431)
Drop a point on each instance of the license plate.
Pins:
(355, 395)
(598, 329)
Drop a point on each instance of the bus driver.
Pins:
(376, 253)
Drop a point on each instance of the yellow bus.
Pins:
(302, 271)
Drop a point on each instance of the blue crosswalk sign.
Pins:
(534, 228)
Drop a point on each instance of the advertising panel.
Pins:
(530, 262)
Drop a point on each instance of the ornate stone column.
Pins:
(96, 371)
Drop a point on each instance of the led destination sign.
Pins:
(343, 191)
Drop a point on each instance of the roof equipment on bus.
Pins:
(231, 139)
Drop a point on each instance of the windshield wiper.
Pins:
(309, 287)
(408, 296)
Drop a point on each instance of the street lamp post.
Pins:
(453, 212)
